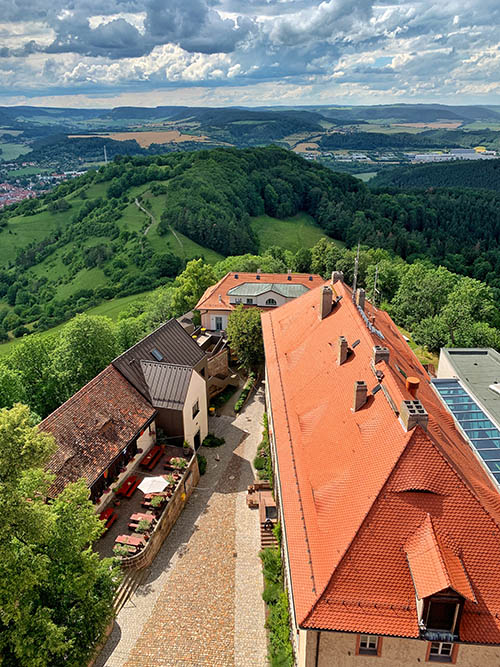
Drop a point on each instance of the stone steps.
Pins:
(130, 583)
(267, 539)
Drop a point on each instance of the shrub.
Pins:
(246, 390)
(143, 526)
(202, 463)
(179, 462)
(156, 501)
(120, 551)
(213, 441)
(278, 621)
(259, 463)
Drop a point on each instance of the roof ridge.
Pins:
(172, 319)
(165, 363)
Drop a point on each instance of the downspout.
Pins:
(316, 661)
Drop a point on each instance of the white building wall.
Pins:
(197, 391)
(148, 438)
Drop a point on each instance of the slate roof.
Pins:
(355, 486)
(172, 342)
(93, 426)
(255, 289)
(167, 380)
(210, 299)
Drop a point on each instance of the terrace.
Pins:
(128, 508)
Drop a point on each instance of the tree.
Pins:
(11, 387)
(244, 333)
(85, 347)
(128, 331)
(56, 594)
(158, 308)
(190, 285)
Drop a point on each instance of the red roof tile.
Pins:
(210, 299)
(355, 486)
(93, 426)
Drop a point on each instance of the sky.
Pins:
(90, 53)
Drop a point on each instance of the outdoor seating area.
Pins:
(138, 502)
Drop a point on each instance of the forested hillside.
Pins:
(463, 174)
(133, 224)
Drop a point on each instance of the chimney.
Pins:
(289, 271)
(326, 302)
(342, 351)
(259, 270)
(360, 298)
(360, 395)
(220, 298)
(412, 384)
(412, 413)
(337, 275)
(380, 354)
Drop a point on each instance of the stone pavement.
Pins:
(200, 603)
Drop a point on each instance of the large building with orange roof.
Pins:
(261, 290)
(390, 522)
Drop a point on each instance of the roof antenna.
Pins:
(355, 281)
(105, 155)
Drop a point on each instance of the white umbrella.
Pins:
(153, 484)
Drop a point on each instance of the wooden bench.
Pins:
(129, 486)
(152, 457)
(109, 516)
(130, 540)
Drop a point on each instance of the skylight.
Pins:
(480, 430)
(157, 354)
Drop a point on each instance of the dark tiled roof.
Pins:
(93, 426)
(167, 383)
(172, 342)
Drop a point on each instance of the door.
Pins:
(197, 440)
(218, 323)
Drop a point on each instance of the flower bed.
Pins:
(245, 393)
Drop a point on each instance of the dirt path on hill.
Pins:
(153, 221)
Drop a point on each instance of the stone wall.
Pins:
(167, 520)
(218, 364)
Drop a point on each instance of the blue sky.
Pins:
(221, 52)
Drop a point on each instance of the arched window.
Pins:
(271, 302)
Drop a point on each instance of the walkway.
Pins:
(200, 603)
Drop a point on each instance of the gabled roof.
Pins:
(167, 383)
(217, 296)
(355, 485)
(174, 345)
(93, 426)
(434, 565)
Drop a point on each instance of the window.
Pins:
(218, 323)
(196, 409)
(368, 645)
(249, 302)
(237, 299)
(157, 354)
(271, 302)
(442, 614)
(440, 652)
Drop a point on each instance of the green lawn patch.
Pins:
(294, 233)
(12, 151)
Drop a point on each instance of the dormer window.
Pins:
(271, 302)
(442, 613)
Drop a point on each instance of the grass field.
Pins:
(110, 309)
(291, 233)
(365, 176)
(12, 151)
(28, 171)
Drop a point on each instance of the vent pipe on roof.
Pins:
(380, 354)
(413, 413)
(412, 385)
(360, 395)
(343, 349)
(360, 298)
(289, 271)
(326, 302)
(337, 275)
(220, 298)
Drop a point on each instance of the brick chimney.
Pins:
(360, 395)
(380, 354)
(412, 413)
(360, 298)
(412, 385)
(342, 350)
(337, 275)
(326, 302)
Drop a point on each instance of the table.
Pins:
(130, 540)
(129, 486)
(152, 457)
(109, 516)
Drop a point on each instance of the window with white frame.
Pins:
(271, 302)
(249, 301)
(441, 652)
(368, 644)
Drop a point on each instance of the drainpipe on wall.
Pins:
(316, 662)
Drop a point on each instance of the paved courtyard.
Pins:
(200, 602)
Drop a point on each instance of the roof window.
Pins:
(157, 354)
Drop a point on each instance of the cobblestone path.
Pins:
(201, 601)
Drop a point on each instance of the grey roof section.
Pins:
(167, 383)
(254, 289)
(477, 368)
(175, 346)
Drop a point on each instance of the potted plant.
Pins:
(143, 527)
(179, 463)
(171, 480)
(187, 450)
(120, 551)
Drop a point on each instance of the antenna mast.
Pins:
(105, 156)
(375, 290)
(355, 281)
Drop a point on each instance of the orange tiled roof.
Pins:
(355, 486)
(210, 299)
(93, 426)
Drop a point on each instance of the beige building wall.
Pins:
(208, 318)
(197, 391)
(445, 369)
(148, 438)
(337, 649)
